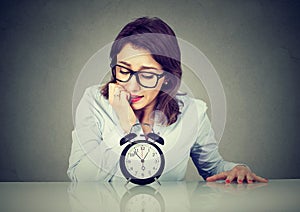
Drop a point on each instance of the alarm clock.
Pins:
(142, 161)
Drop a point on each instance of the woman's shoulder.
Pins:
(188, 104)
(93, 90)
(93, 94)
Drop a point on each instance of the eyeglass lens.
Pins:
(144, 77)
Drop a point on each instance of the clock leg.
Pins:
(128, 180)
(156, 180)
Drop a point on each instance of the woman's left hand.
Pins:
(239, 173)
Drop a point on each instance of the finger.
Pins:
(124, 95)
(220, 176)
(117, 92)
(111, 91)
(249, 178)
(119, 89)
(241, 174)
(260, 179)
(230, 177)
(116, 96)
(240, 178)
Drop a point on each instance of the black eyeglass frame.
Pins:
(132, 72)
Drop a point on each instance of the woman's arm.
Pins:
(210, 164)
(205, 153)
(92, 159)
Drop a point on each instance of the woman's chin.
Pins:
(136, 106)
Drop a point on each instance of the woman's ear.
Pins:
(166, 82)
(165, 86)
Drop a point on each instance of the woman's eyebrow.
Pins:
(125, 63)
(148, 67)
(141, 68)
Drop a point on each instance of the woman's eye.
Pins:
(124, 72)
(147, 76)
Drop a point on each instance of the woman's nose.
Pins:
(132, 84)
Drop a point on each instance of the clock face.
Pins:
(142, 161)
(143, 202)
(142, 198)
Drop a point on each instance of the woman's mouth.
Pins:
(135, 98)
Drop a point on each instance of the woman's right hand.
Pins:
(118, 97)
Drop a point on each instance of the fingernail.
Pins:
(250, 181)
(240, 181)
(227, 181)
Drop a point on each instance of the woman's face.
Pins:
(139, 60)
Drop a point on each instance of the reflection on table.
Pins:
(277, 195)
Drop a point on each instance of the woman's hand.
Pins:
(239, 173)
(118, 97)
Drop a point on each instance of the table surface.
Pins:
(278, 195)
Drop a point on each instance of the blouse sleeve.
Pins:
(92, 159)
(204, 152)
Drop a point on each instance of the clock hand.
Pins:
(137, 154)
(146, 154)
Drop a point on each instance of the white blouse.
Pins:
(96, 139)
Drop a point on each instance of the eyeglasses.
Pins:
(145, 78)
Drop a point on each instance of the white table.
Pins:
(277, 195)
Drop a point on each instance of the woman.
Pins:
(146, 74)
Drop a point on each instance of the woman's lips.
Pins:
(134, 98)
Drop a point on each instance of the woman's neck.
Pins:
(143, 115)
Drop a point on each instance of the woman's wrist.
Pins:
(126, 127)
(126, 124)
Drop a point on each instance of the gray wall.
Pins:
(254, 46)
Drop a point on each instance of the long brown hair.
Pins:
(155, 36)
